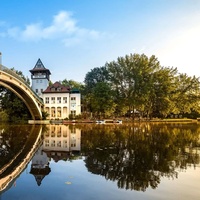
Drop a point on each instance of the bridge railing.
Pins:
(14, 74)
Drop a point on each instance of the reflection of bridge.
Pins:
(10, 80)
(6, 181)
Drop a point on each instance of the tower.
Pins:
(40, 78)
(40, 166)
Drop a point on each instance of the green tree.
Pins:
(72, 84)
(21, 75)
(96, 75)
(14, 107)
(139, 82)
(102, 100)
(131, 78)
(159, 102)
(186, 98)
(92, 78)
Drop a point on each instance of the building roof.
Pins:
(57, 87)
(40, 173)
(39, 67)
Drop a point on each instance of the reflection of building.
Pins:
(60, 141)
(40, 166)
(60, 101)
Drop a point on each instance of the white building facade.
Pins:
(59, 101)
(61, 138)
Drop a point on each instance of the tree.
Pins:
(159, 102)
(20, 74)
(96, 75)
(132, 79)
(140, 83)
(12, 105)
(186, 98)
(92, 78)
(73, 84)
(102, 100)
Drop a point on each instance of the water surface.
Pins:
(124, 161)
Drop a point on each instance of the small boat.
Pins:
(108, 121)
(100, 122)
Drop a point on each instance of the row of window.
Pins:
(55, 89)
(58, 100)
(59, 113)
(37, 81)
(59, 144)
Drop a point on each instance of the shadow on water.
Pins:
(134, 156)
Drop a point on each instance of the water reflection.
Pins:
(17, 146)
(134, 156)
(60, 142)
(138, 157)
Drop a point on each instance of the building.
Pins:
(59, 101)
(40, 77)
(40, 166)
(60, 142)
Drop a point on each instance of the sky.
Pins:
(71, 37)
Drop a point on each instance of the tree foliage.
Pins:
(140, 83)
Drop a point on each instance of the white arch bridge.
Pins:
(10, 80)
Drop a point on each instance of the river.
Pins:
(153, 161)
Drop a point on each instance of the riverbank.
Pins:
(111, 121)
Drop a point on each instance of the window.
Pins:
(53, 143)
(41, 90)
(52, 99)
(58, 99)
(47, 143)
(73, 112)
(40, 81)
(36, 90)
(53, 112)
(73, 130)
(73, 145)
(73, 98)
(47, 100)
(65, 143)
(73, 142)
(59, 144)
(59, 112)
(64, 99)
(53, 89)
(73, 106)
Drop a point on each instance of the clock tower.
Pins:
(40, 78)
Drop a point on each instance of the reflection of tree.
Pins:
(138, 156)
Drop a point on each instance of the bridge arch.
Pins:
(10, 80)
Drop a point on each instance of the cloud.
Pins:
(63, 27)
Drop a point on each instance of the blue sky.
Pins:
(71, 37)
